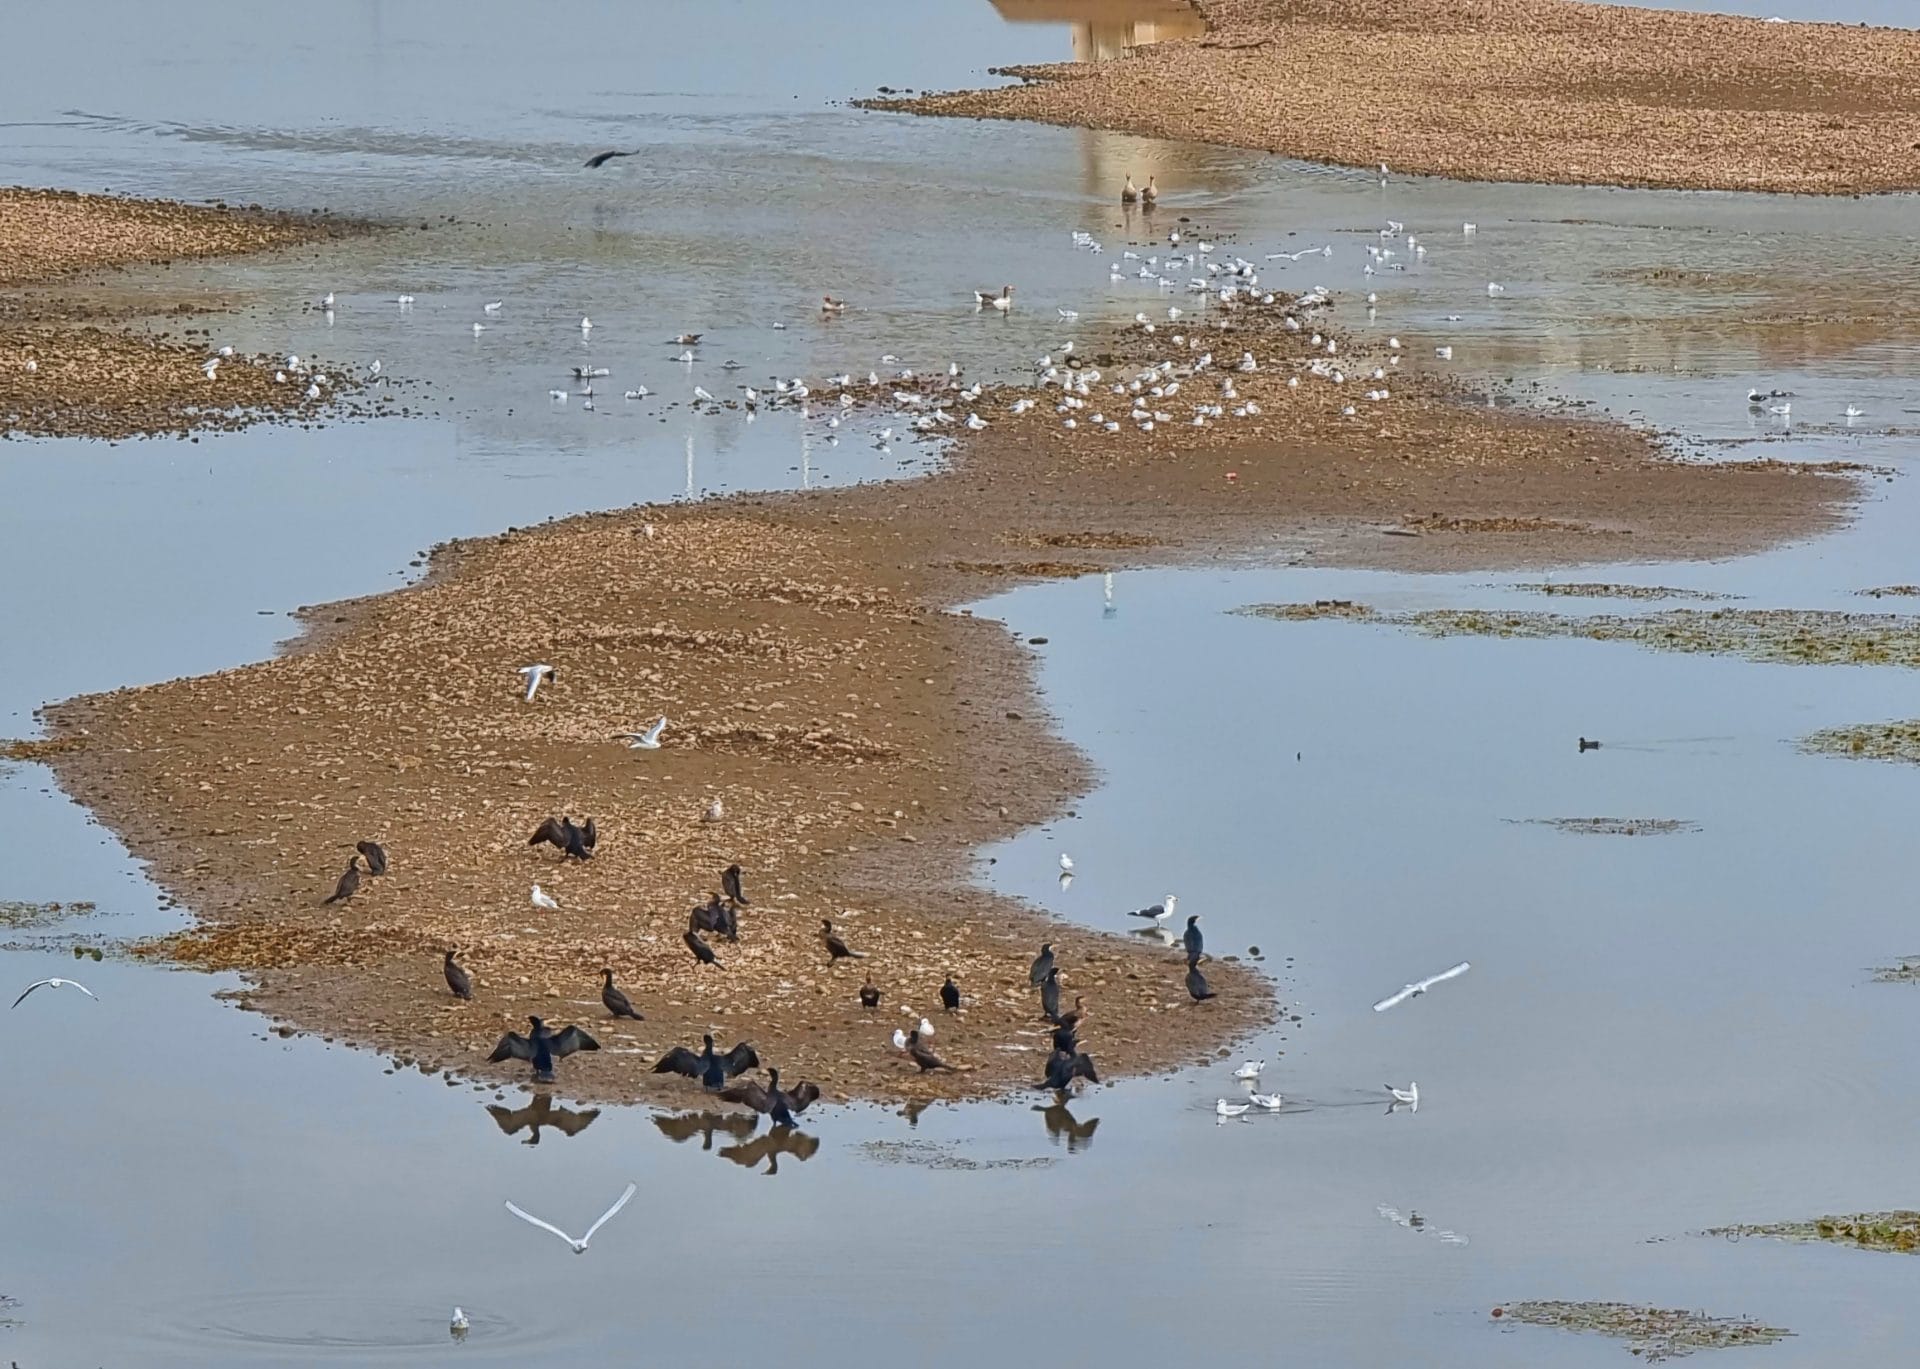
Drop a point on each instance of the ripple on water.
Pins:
(336, 1324)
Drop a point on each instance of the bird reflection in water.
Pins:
(1062, 1126)
(684, 1126)
(541, 1113)
(912, 1109)
(777, 1142)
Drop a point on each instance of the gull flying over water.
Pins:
(600, 159)
(1415, 990)
(535, 676)
(1408, 1097)
(579, 1246)
(56, 984)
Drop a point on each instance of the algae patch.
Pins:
(1590, 590)
(1868, 741)
(1897, 1231)
(1778, 636)
(1651, 1333)
(15, 913)
(1614, 827)
(932, 1155)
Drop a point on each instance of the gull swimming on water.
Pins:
(1270, 1101)
(56, 984)
(645, 741)
(535, 676)
(1066, 862)
(579, 1246)
(459, 1325)
(1415, 990)
(1225, 1109)
(1250, 1070)
(543, 899)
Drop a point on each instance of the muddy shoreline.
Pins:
(70, 368)
(1545, 91)
(864, 734)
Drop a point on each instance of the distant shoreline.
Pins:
(1542, 91)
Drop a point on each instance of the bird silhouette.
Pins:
(542, 1047)
(617, 1003)
(777, 1103)
(869, 995)
(836, 948)
(1063, 1067)
(730, 881)
(1042, 965)
(925, 1058)
(701, 951)
(349, 883)
(709, 1066)
(600, 159)
(572, 841)
(376, 855)
(1197, 984)
(541, 1113)
(457, 979)
(950, 995)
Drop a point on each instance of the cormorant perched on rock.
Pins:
(542, 1047)
(576, 842)
(1066, 1039)
(773, 1100)
(1042, 963)
(617, 1003)
(950, 995)
(701, 951)
(1063, 1067)
(1192, 939)
(1050, 995)
(715, 916)
(925, 1058)
(730, 881)
(1197, 984)
(869, 995)
(709, 1068)
(457, 979)
(836, 948)
(376, 855)
(349, 882)
(1071, 1020)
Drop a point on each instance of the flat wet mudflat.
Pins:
(1652, 1334)
(60, 378)
(1897, 1232)
(1577, 589)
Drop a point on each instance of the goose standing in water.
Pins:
(1002, 301)
(457, 979)
(617, 1003)
(1151, 195)
(1128, 194)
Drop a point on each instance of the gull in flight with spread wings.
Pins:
(536, 675)
(1415, 990)
(644, 741)
(56, 984)
(579, 1246)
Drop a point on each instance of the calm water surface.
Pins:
(1658, 1034)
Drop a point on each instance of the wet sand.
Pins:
(69, 367)
(864, 734)
(1510, 90)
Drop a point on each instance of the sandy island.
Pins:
(1508, 90)
(74, 370)
(864, 733)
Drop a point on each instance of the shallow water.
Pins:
(1658, 1033)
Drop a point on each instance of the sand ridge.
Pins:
(1511, 90)
(864, 733)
